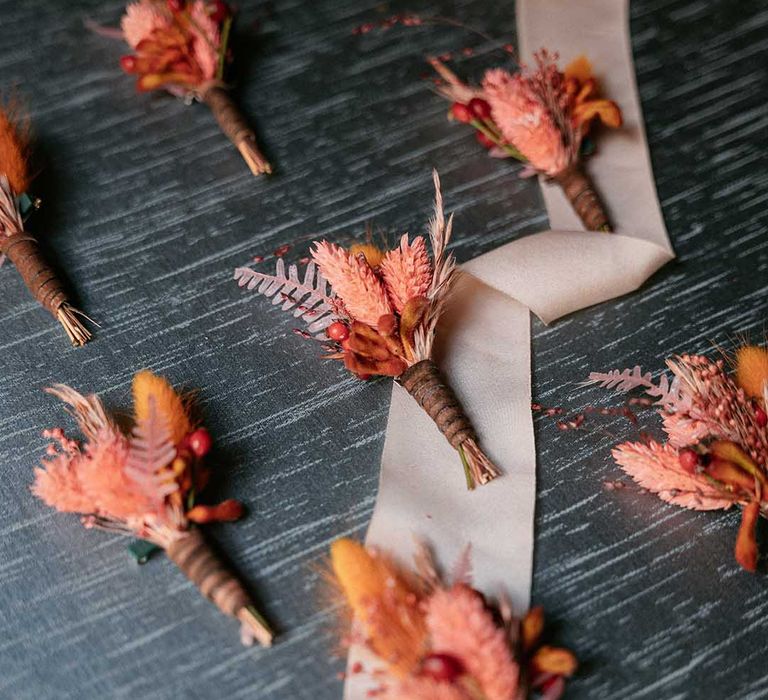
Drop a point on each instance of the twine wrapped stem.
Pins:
(236, 129)
(580, 191)
(200, 564)
(424, 382)
(42, 281)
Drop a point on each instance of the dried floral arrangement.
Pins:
(17, 244)
(541, 116)
(146, 485)
(439, 640)
(379, 317)
(182, 47)
(716, 452)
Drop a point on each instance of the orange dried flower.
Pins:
(15, 146)
(752, 369)
(383, 602)
(168, 403)
(174, 49)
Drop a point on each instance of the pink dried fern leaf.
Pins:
(309, 298)
(151, 450)
(667, 394)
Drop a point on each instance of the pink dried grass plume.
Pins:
(525, 121)
(353, 281)
(656, 467)
(57, 484)
(407, 271)
(460, 625)
(103, 477)
(141, 19)
(420, 688)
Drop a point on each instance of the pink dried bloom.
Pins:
(684, 430)
(57, 482)
(352, 280)
(421, 688)
(460, 625)
(526, 121)
(656, 467)
(407, 271)
(141, 19)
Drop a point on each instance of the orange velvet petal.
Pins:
(746, 543)
(580, 69)
(606, 110)
(556, 660)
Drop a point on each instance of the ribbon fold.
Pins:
(484, 341)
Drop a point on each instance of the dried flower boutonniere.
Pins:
(540, 116)
(379, 318)
(716, 453)
(147, 485)
(17, 244)
(442, 640)
(182, 47)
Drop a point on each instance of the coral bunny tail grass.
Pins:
(581, 193)
(424, 382)
(200, 564)
(44, 284)
(236, 128)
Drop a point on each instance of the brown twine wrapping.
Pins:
(583, 198)
(198, 562)
(24, 252)
(235, 128)
(424, 382)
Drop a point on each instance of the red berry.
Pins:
(461, 113)
(761, 417)
(128, 63)
(442, 667)
(689, 460)
(337, 331)
(220, 11)
(175, 5)
(483, 140)
(200, 442)
(480, 108)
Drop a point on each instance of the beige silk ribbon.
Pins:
(484, 341)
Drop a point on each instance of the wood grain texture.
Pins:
(149, 209)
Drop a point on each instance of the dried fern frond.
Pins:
(667, 394)
(310, 299)
(151, 450)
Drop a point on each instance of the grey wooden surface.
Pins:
(149, 209)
